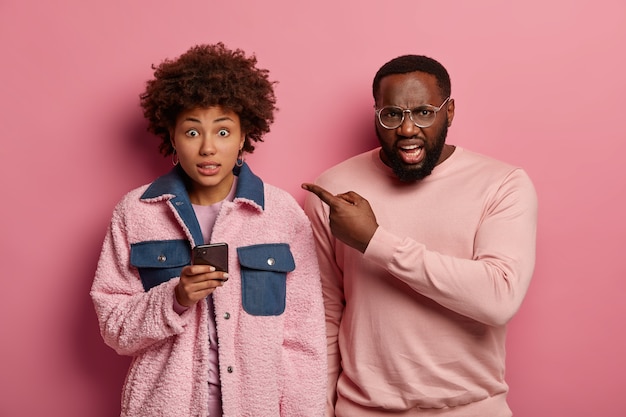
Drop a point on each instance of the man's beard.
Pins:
(410, 173)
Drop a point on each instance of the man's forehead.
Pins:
(408, 89)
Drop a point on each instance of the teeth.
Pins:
(412, 149)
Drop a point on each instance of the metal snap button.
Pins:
(230, 369)
(226, 315)
(162, 258)
(271, 261)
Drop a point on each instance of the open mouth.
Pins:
(208, 166)
(411, 154)
(208, 169)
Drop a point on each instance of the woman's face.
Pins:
(207, 142)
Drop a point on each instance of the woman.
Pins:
(250, 342)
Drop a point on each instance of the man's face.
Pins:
(412, 152)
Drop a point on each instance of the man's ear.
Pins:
(450, 112)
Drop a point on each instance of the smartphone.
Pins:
(215, 254)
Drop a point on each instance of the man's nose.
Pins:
(408, 127)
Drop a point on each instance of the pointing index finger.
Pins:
(323, 195)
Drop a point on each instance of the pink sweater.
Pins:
(416, 325)
(270, 365)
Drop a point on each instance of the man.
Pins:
(426, 252)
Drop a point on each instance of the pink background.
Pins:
(537, 83)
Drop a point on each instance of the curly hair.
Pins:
(412, 63)
(205, 76)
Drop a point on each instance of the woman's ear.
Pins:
(172, 140)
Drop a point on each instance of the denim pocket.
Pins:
(264, 277)
(158, 261)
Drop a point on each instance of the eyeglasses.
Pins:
(392, 117)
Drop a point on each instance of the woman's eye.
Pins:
(223, 133)
(193, 133)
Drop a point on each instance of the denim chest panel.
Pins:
(158, 261)
(264, 277)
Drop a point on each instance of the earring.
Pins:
(239, 162)
(174, 158)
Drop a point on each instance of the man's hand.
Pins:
(351, 218)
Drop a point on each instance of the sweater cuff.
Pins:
(179, 308)
(382, 247)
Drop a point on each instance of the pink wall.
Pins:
(536, 83)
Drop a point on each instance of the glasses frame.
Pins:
(410, 111)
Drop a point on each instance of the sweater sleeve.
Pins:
(332, 287)
(489, 287)
(304, 347)
(130, 319)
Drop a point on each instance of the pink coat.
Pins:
(272, 362)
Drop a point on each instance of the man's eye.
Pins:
(424, 112)
(192, 133)
(223, 133)
(392, 113)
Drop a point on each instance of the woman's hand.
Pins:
(197, 282)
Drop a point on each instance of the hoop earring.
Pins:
(239, 162)
(174, 158)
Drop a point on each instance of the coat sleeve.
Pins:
(490, 286)
(131, 320)
(304, 346)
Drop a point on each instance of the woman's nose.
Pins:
(207, 147)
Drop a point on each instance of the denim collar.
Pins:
(249, 188)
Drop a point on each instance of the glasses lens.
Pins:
(423, 116)
(390, 117)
